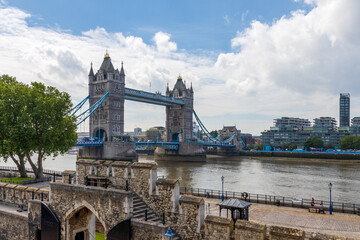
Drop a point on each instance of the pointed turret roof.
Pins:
(180, 84)
(122, 73)
(106, 65)
(91, 73)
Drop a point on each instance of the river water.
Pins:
(286, 177)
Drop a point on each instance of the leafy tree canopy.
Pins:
(34, 121)
(349, 142)
(313, 142)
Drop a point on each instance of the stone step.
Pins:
(139, 208)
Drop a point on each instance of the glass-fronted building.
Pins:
(344, 108)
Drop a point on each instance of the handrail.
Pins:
(273, 199)
(45, 171)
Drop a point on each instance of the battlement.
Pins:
(20, 195)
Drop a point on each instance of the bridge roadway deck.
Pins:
(339, 223)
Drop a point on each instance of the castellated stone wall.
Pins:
(249, 230)
(141, 230)
(279, 233)
(110, 206)
(20, 195)
(218, 228)
(191, 217)
(13, 226)
(34, 218)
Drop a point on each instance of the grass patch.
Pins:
(99, 236)
(16, 180)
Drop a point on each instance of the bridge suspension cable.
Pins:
(79, 106)
(202, 126)
(88, 112)
(208, 134)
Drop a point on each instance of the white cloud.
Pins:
(163, 44)
(295, 66)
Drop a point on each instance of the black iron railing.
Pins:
(272, 199)
(45, 171)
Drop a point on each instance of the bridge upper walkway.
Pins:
(152, 98)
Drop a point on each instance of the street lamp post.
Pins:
(222, 188)
(330, 208)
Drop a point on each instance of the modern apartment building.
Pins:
(344, 109)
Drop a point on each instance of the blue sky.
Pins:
(248, 61)
(204, 24)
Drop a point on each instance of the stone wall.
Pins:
(34, 218)
(143, 180)
(13, 226)
(141, 230)
(168, 194)
(191, 217)
(321, 236)
(218, 228)
(279, 233)
(110, 206)
(249, 230)
(20, 195)
(117, 172)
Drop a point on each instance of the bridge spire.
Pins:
(107, 54)
(122, 73)
(91, 73)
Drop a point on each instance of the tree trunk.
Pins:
(33, 166)
(40, 166)
(20, 164)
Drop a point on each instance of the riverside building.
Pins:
(344, 109)
(297, 131)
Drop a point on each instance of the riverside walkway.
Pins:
(338, 224)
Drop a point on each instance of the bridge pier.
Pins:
(192, 152)
(124, 151)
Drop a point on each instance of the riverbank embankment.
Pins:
(353, 158)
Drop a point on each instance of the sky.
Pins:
(248, 61)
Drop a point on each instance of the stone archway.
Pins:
(100, 134)
(82, 223)
(175, 137)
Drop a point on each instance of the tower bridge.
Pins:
(107, 95)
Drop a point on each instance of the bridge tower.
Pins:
(179, 118)
(108, 120)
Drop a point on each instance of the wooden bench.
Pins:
(317, 209)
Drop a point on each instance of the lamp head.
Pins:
(330, 185)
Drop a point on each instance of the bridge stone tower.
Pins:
(108, 120)
(179, 118)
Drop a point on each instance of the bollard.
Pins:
(145, 214)
(69, 179)
(54, 177)
(42, 196)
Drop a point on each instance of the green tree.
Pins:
(285, 146)
(292, 146)
(214, 133)
(329, 146)
(313, 142)
(34, 123)
(251, 146)
(349, 142)
(259, 146)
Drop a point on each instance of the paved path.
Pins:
(338, 223)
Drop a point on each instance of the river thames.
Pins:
(286, 177)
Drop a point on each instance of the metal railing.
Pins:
(272, 199)
(45, 171)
